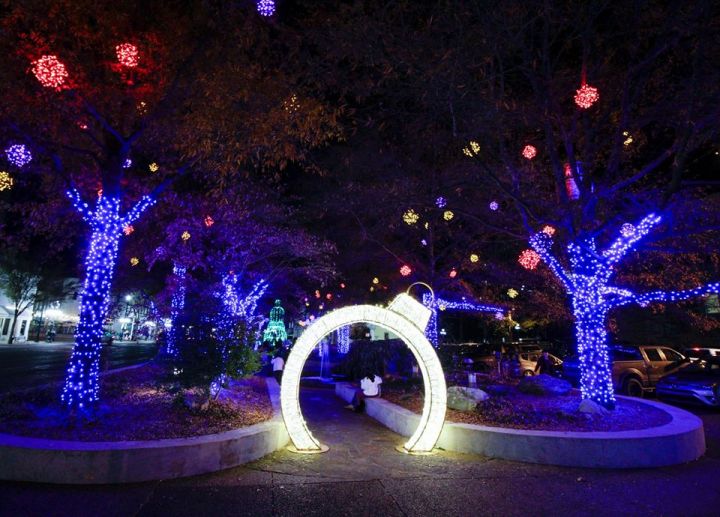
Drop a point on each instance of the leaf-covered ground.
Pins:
(518, 410)
(137, 404)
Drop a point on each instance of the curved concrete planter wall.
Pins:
(55, 461)
(680, 441)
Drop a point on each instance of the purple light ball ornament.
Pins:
(494, 206)
(18, 155)
(266, 7)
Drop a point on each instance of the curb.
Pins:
(680, 441)
(71, 462)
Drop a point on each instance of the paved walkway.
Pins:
(362, 474)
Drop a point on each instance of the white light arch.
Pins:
(406, 318)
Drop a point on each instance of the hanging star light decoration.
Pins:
(529, 152)
(49, 71)
(529, 259)
(134, 261)
(127, 55)
(472, 150)
(265, 7)
(448, 215)
(512, 293)
(440, 202)
(185, 235)
(494, 206)
(586, 96)
(405, 270)
(548, 230)
(154, 167)
(410, 217)
(19, 155)
(6, 181)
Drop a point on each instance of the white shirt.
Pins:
(278, 364)
(371, 388)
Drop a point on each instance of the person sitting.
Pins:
(369, 388)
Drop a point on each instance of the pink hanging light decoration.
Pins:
(127, 54)
(405, 270)
(586, 96)
(49, 71)
(529, 259)
(529, 152)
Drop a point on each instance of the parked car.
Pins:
(106, 339)
(699, 383)
(635, 369)
(696, 352)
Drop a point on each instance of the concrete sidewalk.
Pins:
(362, 474)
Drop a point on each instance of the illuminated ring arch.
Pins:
(433, 415)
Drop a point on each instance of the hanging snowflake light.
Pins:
(209, 221)
(499, 316)
(265, 7)
(376, 280)
(529, 152)
(474, 257)
(586, 96)
(6, 181)
(453, 273)
(410, 217)
(317, 293)
(134, 261)
(628, 138)
(472, 150)
(342, 285)
(494, 206)
(99, 193)
(440, 202)
(423, 242)
(405, 270)
(49, 71)
(329, 296)
(627, 230)
(448, 215)
(128, 229)
(127, 163)
(529, 259)
(127, 54)
(512, 293)
(185, 235)
(548, 230)
(18, 155)
(154, 167)
(427, 225)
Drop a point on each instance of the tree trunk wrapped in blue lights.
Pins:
(81, 388)
(587, 282)
(177, 304)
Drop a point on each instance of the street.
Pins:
(32, 364)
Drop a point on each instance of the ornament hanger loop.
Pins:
(432, 293)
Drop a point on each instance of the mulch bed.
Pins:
(136, 405)
(518, 410)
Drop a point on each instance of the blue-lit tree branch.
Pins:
(459, 305)
(629, 236)
(81, 206)
(136, 211)
(667, 296)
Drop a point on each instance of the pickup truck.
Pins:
(635, 369)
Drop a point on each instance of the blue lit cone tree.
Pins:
(275, 333)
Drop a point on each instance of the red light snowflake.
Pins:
(548, 230)
(328, 296)
(586, 96)
(49, 71)
(209, 221)
(529, 152)
(453, 273)
(127, 54)
(405, 270)
(128, 229)
(529, 259)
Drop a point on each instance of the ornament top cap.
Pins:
(411, 309)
